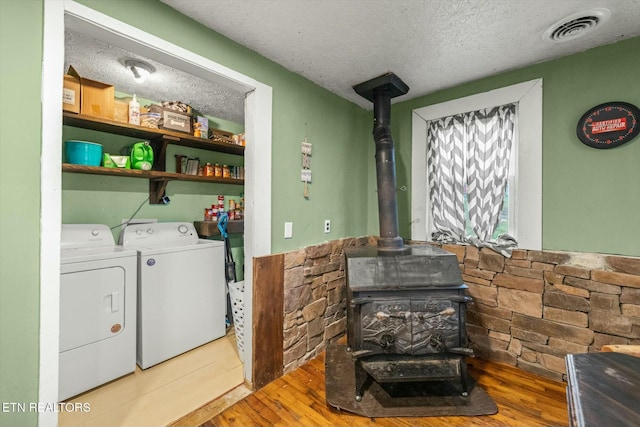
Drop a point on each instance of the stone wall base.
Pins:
(529, 310)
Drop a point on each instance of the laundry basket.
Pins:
(236, 295)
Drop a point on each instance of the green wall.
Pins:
(591, 197)
(20, 129)
(335, 127)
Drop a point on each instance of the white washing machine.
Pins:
(181, 289)
(97, 309)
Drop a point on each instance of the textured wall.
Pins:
(536, 307)
(590, 197)
(529, 310)
(314, 299)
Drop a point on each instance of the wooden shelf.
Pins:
(176, 138)
(210, 228)
(159, 139)
(153, 175)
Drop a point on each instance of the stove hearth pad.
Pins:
(402, 399)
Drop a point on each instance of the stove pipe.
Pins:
(380, 90)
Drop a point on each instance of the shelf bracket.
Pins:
(157, 189)
(160, 149)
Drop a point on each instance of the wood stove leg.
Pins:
(463, 376)
(362, 380)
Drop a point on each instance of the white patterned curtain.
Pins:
(489, 138)
(473, 149)
(445, 174)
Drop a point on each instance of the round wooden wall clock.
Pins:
(609, 125)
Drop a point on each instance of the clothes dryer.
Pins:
(97, 309)
(181, 289)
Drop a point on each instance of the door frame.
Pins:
(258, 130)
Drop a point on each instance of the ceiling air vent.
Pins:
(576, 25)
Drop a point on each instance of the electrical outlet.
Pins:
(288, 230)
(327, 226)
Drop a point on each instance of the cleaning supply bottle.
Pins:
(141, 156)
(134, 111)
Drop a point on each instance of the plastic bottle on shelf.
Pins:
(134, 111)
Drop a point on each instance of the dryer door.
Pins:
(91, 306)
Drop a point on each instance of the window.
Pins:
(468, 166)
(525, 187)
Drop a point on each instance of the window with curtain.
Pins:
(523, 194)
(468, 164)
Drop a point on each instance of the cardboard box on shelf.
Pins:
(71, 94)
(120, 111)
(96, 98)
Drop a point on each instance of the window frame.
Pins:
(525, 223)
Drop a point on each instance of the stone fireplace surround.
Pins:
(529, 310)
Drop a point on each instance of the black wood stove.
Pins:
(406, 304)
(406, 316)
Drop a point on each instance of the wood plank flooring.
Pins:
(298, 399)
(166, 392)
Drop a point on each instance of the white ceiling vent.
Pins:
(576, 25)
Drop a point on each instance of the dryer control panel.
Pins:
(160, 233)
(85, 235)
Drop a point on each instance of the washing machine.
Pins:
(181, 289)
(98, 281)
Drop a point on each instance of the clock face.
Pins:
(609, 125)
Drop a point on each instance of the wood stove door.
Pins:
(435, 325)
(386, 326)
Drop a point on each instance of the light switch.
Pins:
(288, 230)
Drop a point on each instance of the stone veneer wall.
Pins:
(536, 307)
(314, 299)
(529, 310)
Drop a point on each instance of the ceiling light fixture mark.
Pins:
(140, 69)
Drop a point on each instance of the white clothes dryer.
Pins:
(181, 289)
(97, 309)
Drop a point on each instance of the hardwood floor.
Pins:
(298, 399)
(163, 393)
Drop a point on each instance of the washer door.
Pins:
(91, 306)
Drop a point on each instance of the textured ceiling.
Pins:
(429, 44)
(100, 61)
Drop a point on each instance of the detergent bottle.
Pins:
(134, 111)
(141, 156)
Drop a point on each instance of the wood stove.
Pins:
(406, 314)
(406, 306)
(406, 309)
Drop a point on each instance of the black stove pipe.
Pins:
(380, 90)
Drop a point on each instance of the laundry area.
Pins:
(152, 252)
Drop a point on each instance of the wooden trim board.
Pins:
(268, 319)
